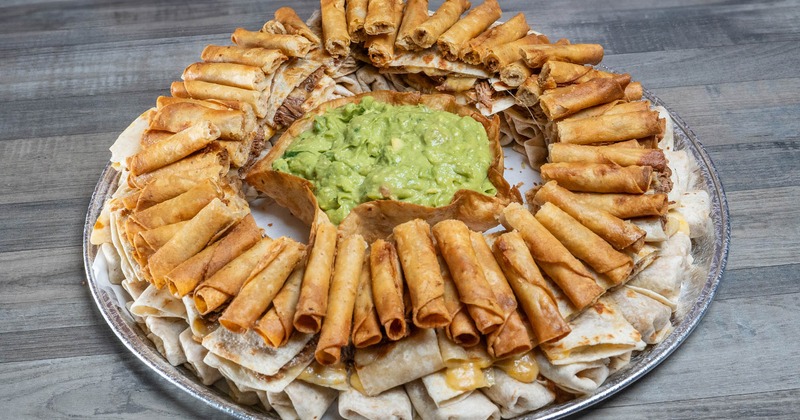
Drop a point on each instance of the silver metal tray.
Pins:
(710, 253)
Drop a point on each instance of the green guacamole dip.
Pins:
(374, 151)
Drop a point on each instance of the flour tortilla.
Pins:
(695, 207)
(575, 378)
(288, 76)
(649, 316)
(127, 143)
(250, 351)
(431, 61)
(662, 279)
(440, 392)
(598, 333)
(300, 400)
(199, 327)
(393, 404)
(154, 302)
(477, 405)
(515, 398)
(164, 332)
(195, 353)
(251, 379)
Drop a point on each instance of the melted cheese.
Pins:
(334, 376)
(521, 367)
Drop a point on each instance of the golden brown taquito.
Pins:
(294, 25)
(515, 73)
(502, 55)
(453, 239)
(598, 177)
(179, 208)
(381, 47)
(173, 149)
(476, 21)
(356, 15)
(334, 28)
(634, 91)
(146, 242)
(178, 116)
(162, 189)
(263, 284)
(611, 108)
(209, 165)
(564, 101)
(275, 327)
(152, 137)
(381, 17)
(184, 278)
(462, 329)
(529, 91)
(178, 90)
(560, 265)
(268, 60)
(530, 288)
(163, 101)
(212, 293)
(474, 51)
(426, 34)
(204, 90)
(560, 73)
(415, 13)
(366, 329)
(619, 233)
(585, 244)
(537, 55)
(336, 327)
(289, 45)
(230, 74)
(621, 156)
(387, 288)
(512, 337)
(610, 128)
(313, 303)
(627, 206)
(422, 274)
(192, 238)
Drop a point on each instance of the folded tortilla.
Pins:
(266, 59)
(313, 302)
(393, 403)
(336, 327)
(426, 34)
(330, 376)
(289, 76)
(515, 398)
(476, 21)
(476, 404)
(195, 353)
(155, 302)
(250, 351)
(384, 367)
(598, 333)
(334, 28)
(294, 25)
(559, 264)
(453, 239)
(649, 316)
(198, 326)
(440, 392)
(432, 63)
(127, 143)
(695, 207)
(662, 279)
(276, 326)
(475, 50)
(289, 45)
(356, 15)
(164, 332)
(387, 289)
(576, 378)
(610, 127)
(300, 400)
(501, 55)
(415, 13)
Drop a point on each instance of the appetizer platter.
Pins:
(388, 212)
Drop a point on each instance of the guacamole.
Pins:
(376, 151)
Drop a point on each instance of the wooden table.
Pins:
(73, 74)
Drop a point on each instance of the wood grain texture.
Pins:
(75, 73)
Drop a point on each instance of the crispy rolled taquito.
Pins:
(475, 50)
(179, 208)
(294, 25)
(529, 91)
(336, 327)
(209, 165)
(178, 90)
(512, 337)
(275, 327)
(462, 329)
(621, 156)
(598, 177)
(634, 91)
(502, 55)
(561, 102)
(313, 303)
(225, 283)
(334, 28)
(387, 289)
(177, 116)
(381, 47)
(356, 15)
(381, 17)
(184, 278)
(230, 74)
(204, 90)
(515, 73)
(415, 13)
(263, 284)
(619, 233)
(476, 21)
(146, 242)
(162, 189)
(174, 148)
(453, 239)
(627, 206)
(192, 238)
(610, 128)
(585, 244)
(559, 264)
(530, 288)
(614, 107)
(537, 55)
(426, 34)
(560, 73)
(366, 329)
(267, 59)
(289, 45)
(422, 274)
